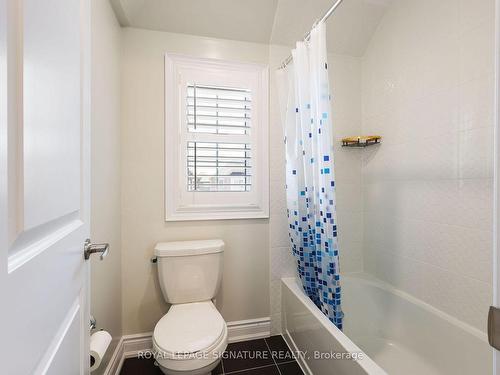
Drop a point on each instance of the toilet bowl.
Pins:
(191, 337)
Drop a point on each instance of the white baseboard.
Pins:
(133, 344)
(251, 329)
(130, 345)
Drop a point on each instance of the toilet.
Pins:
(191, 337)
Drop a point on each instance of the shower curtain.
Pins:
(310, 181)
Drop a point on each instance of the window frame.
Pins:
(182, 205)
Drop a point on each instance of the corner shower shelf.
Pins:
(361, 141)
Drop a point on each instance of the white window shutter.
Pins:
(216, 139)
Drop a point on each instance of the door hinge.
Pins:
(494, 327)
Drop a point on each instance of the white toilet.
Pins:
(190, 338)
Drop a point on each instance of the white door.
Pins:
(44, 186)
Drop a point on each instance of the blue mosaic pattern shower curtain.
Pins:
(310, 177)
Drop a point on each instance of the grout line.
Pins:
(282, 363)
(254, 368)
(270, 352)
(251, 368)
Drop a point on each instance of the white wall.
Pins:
(345, 85)
(245, 286)
(428, 90)
(106, 182)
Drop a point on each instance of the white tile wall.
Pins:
(345, 85)
(427, 88)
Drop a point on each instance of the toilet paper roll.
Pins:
(99, 343)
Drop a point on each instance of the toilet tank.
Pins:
(189, 271)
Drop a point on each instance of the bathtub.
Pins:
(388, 332)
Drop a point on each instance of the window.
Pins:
(218, 166)
(216, 136)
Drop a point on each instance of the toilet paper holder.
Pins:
(99, 344)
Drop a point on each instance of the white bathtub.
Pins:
(397, 333)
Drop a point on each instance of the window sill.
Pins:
(237, 213)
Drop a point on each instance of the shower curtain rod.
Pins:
(328, 13)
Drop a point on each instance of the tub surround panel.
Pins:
(345, 88)
(427, 88)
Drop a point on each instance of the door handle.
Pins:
(93, 248)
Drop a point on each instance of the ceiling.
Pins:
(246, 20)
(349, 30)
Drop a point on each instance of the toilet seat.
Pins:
(189, 328)
(190, 336)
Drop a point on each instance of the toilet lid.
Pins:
(189, 328)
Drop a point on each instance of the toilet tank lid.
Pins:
(187, 248)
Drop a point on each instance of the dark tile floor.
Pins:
(269, 356)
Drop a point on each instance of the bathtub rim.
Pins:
(367, 364)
